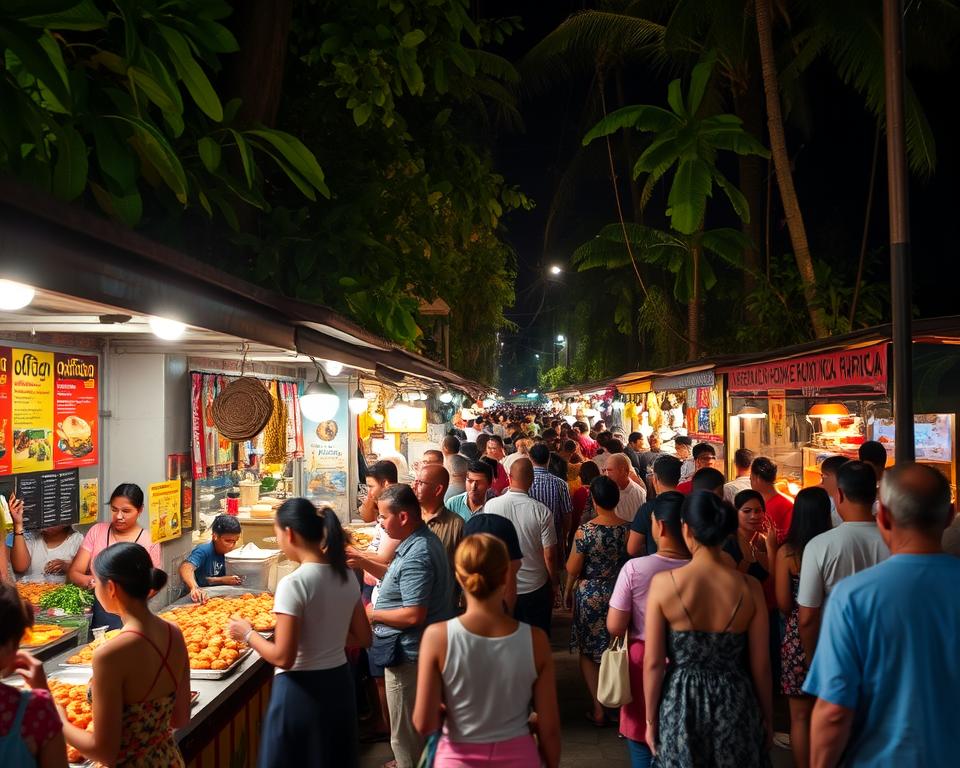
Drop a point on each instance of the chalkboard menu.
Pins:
(49, 498)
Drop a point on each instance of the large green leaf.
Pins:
(70, 170)
(191, 74)
(25, 44)
(675, 97)
(688, 195)
(736, 140)
(292, 173)
(729, 244)
(643, 117)
(58, 14)
(699, 79)
(144, 81)
(297, 154)
(158, 152)
(246, 157)
(209, 151)
(663, 151)
(114, 157)
(735, 196)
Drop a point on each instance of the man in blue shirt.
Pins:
(417, 590)
(886, 672)
(470, 503)
(206, 566)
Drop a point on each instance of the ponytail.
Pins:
(320, 527)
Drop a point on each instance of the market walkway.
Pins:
(584, 746)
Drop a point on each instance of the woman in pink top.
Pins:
(126, 504)
(628, 606)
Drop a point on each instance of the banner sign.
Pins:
(49, 409)
(164, 505)
(863, 369)
(684, 381)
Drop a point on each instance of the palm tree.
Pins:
(687, 143)
(781, 162)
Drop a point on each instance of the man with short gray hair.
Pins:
(456, 465)
(886, 673)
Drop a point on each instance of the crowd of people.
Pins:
(728, 593)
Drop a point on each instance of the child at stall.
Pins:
(206, 566)
(30, 731)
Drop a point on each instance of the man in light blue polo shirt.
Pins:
(470, 503)
(886, 672)
(417, 590)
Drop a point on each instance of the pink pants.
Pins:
(513, 753)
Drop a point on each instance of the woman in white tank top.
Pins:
(487, 668)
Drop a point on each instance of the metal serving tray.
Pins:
(219, 674)
(64, 639)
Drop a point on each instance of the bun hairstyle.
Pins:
(711, 519)
(482, 564)
(130, 491)
(320, 527)
(129, 567)
(16, 615)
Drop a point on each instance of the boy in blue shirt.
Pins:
(205, 566)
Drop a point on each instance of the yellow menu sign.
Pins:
(164, 507)
(32, 409)
(89, 491)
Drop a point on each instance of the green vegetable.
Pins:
(68, 598)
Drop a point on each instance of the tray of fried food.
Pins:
(360, 538)
(84, 655)
(215, 613)
(73, 699)
(32, 591)
(39, 637)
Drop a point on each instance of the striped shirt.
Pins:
(552, 492)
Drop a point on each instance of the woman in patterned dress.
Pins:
(712, 706)
(141, 679)
(600, 549)
(811, 517)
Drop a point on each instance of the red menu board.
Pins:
(76, 407)
(49, 410)
(6, 423)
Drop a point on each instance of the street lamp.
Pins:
(555, 269)
(560, 338)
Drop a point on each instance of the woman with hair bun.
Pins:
(485, 667)
(707, 708)
(312, 716)
(140, 687)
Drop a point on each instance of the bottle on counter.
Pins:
(233, 501)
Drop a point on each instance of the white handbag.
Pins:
(613, 689)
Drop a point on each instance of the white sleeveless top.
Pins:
(488, 684)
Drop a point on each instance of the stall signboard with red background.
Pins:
(862, 370)
(76, 408)
(48, 411)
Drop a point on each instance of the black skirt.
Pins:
(311, 721)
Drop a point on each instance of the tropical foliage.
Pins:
(374, 190)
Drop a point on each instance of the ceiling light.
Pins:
(357, 402)
(332, 367)
(319, 402)
(14, 295)
(445, 397)
(750, 412)
(169, 330)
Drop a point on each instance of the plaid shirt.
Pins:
(552, 492)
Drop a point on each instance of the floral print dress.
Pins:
(604, 550)
(793, 661)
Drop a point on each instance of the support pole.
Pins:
(901, 293)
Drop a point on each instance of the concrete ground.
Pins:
(584, 745)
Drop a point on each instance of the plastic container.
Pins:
(257, 567)
(249, 492)
(233, 502)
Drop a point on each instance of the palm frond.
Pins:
(600, 253)
(643, 117)
(494, 66)
(578, 44)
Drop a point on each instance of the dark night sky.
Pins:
(832, 167)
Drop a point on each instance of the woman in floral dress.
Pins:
(599, 551)
(811, 517)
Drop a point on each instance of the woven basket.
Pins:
(242, 409)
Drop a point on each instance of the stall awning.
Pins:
(62, 249)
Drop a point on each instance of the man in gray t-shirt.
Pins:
(851, 547)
